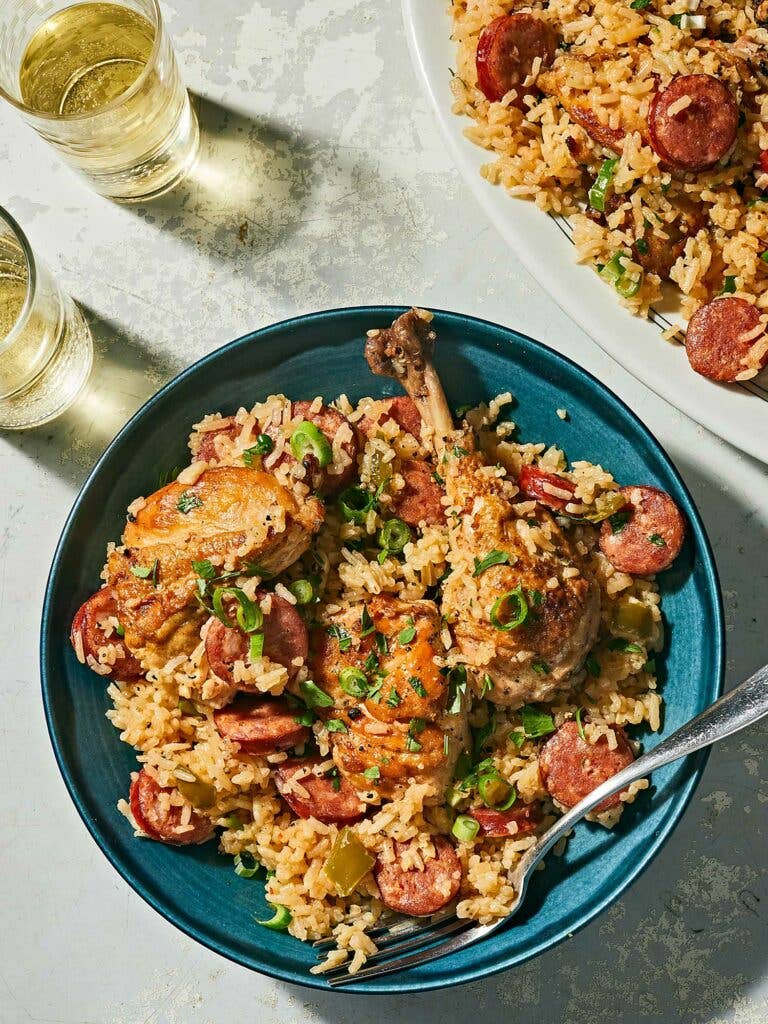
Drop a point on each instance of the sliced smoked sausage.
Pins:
(161, 820)
(550, 489)
(648, 535)
(260, 725)
(419, 500)
(329, 421)
(571, 767)
(401, 409)
(506, 52)
(515, 823)
(693, 122)
(285, 639)
(415, 892)
(206, 445)
(719, 336)
(330, 799)
(89, 633)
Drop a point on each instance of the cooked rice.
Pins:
(616, 58)
(147, 712)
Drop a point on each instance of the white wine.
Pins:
(84, 57)
(101, 83)
(45, 344)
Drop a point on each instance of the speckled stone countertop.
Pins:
(324, 183)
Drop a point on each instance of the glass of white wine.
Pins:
(45, 345)
(100, 82)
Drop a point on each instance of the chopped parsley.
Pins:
(438, 479)
(618, 520)
(205, 569)
(335, 725)
(457, 688)
(408, 634)
(486, 685)
(541, 668)
(373, 774)
(729, 283)
(146, 572)
(639, 5)
(343, 637)
(187, 501)
(394, 700)
(264, 445)
(417, 686)
(618, 643)
(366, 622)
(518, 737)
(458, 452)
(492, 558)
(314, 696)
(416, 726)
(536, 723)
(657, 539)
(592, 665)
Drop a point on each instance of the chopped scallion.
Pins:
(465, 828)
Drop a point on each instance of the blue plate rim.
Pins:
(696, 763)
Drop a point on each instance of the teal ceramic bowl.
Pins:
(195, 888)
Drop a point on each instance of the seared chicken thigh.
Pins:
(529, 622)
(233, 517)
(377, 662)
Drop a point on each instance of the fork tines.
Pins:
(427, 937)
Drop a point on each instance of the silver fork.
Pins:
(422, 941)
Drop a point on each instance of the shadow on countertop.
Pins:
(689, 939)
(126, 372)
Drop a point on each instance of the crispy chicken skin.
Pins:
(236, 518)
(533, 661)
(399, 729)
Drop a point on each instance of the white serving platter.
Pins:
(738, 413)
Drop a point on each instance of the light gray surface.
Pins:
(324, 184)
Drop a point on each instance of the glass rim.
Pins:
(29, 258)
(44, 115)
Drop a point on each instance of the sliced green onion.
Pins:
(457, 688)
(579, 726)
(601, 183)
(246, 864)
(314, 696)
(307, 439)
(249, 615)
(495, 791)
(120, 630)
(366, 622)
(394, 535)
(729, 284)
(281, 919)
(492, 558)
(355, 503)
(592, 665)
(519, 610)
(303, 591)
(613, 272)
(256, 647)
(234, 822)
(353, 681)
(264, 445)
(187, 707)
(465, 828)
(373, 774)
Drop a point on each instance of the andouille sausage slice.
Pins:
(693, 122)
(401, 409)
(512, 824)
(419, 500)
(650, 537)
(330, 799)
(571, 767)
(162, 822)
(506, 51)
(329, 421)
(415, 892)
(550, 489)
(719, 336)
(285, 639)
(89, 633)
(206, 447)
(260, 725)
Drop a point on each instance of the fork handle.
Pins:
(735, 710)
